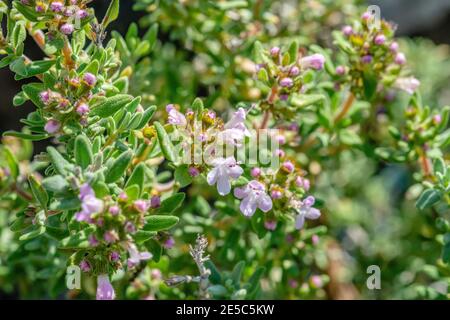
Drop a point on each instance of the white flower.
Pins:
(175, 117)
(305, 211)
(235, 130)
(409, 85)
(224, 170)
(254, 196)
(135, 257)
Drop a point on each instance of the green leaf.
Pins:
(11, 159)
(349, 138)
(148, 114)
(111, 14)
(446, 249)
(197, 107)
(59, 163)
(151, 35)
(32, 90)
(28, 12)
(155, 248)
(137, 177)
(218, 291)
(215, 276)
(55, 184)
(32, 234)
(38, 191)
(159, 223)
(117, 169)
(166, 145)
(25, 136)
(143, 236)
(439, 166)
(370, 85)
(77, 241)
(182, 176)
(83, 151)
(305, 100)
(171, 203)
(110, 106)
(56, 233)
(428, 198)
(236, 274)
(19, 224)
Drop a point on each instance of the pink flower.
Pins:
(110, 236)
(93, 242)
(52, 126)
(81, 14)
(105, 290)
(253, 196)
(67, 28)
(141, 205)
(89, 205)
(114, 256)
(275, 51)
(340, 70)
(394, 46)
(85, 266)
(175, 117)
(380, 39)
(56, 6)
(235, 130)
(286, 82)
(82, 109)
(400, 58)
(193, 172)
(44, 96)
(316, 61)
(288, 166)
(90, 79)
(114, 210)
(225, 169)
(276, 194)
(295, 71)
(305, 211)
(347, 30)
(135, 257)
(409, 85)
(155, 202)
(255, 172)
(130, 227)
(169, 243)
(270, 225)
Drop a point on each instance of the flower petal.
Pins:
(248, 206)
(265, 203)
(212, 177)
(299, 221)
(312, 214)
(223, 185)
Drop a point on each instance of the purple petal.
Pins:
(240, 193)
(223, 185)
(248, 206)
(265, 203)
(299, 221)
(312, 214)
(212, 177)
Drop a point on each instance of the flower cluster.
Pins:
(287, 72)
(61, 17)
(373, 59)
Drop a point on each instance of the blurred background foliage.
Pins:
(369, 218)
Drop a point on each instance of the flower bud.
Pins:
(67, 28)
(275, 51)
(52, 126)
(90, 79)
(82, 109)
(286, 82)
